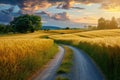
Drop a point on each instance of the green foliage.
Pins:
(66, 64)
(107, 24)
(2, 27)
(5, 28)
(67, 28)
(26, 23)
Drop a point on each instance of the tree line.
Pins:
(22, 24)
(107, 24)
(30, 23)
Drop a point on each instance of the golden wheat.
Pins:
(18, 57)
(102, 45)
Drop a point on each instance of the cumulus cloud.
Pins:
(56, 16)
(60, 16)
(66, 5)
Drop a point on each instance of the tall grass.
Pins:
(106, 55)
(20, 57)
(103, 49)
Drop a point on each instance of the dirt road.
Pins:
(50, 71)
(84, 68)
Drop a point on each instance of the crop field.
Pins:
(34, 35)
(100, 33)
(65, 31)
(21, 55)
(103, 46)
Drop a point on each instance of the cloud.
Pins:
(66, 5)
(60, 16)
(30, 6)
(111, 5)
(63, 24)
(8, 11)
(44, 13)
(56, 16)
(5, 16)
(86, 19)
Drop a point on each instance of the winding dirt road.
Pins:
(83, 67)
(50, 71)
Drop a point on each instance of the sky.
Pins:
(62, 13)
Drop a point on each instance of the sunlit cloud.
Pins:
(64, 16)
(86, 19)
(78, 11)
(111, 5)
(113, 9)
(31, 6)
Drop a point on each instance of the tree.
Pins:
(113, 23)
(101, 23)
(5, 28)
(2, 28)
(67, 28)
(118, 21)
(90, 27)
(107, 24)
(36, 22)
(26, 23)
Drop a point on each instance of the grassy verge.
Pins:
(21, 57)
(66, 64)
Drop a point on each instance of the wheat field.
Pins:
(21, 55)
(102, 45)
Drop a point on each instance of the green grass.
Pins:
(66, 64)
